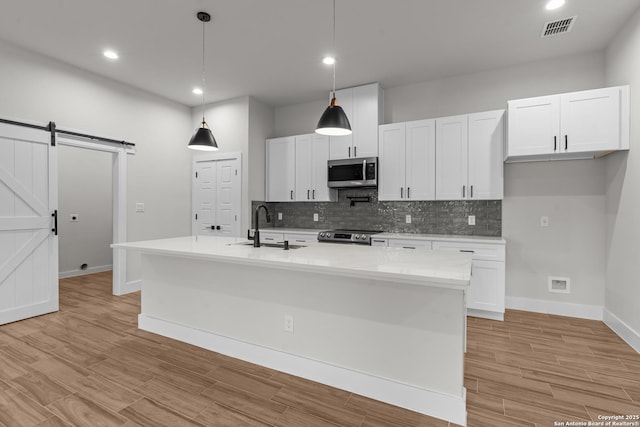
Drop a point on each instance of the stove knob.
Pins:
(321, 234)
(357, 236)
(363, 237)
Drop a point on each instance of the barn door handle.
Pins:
(54, 215)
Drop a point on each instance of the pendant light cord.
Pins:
(203, 74)
(334, 48)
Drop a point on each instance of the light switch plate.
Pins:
(472, 220)
(279, 216)
(315, 217)
(139, 207)
(407, 219)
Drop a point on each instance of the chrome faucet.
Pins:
(256, 234)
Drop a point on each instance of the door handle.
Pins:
(555, 143)
(307, 194)
(313, 194)
(54, 215)
(213, 227)
(355, 151)
(408, 192)
(217, 227)
(464, 191)
(472, 191)
(401, 192)
(349, 152)
(566, 142)
(291, 195)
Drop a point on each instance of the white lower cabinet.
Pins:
(486, 296)
(306, 239)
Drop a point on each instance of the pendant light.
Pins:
(203, 138)
(334, 121)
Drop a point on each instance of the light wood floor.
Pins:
(88, 365)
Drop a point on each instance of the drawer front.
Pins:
(424, 245)
(479, 251)
(301, 239)
(379, 242)
(270, 237)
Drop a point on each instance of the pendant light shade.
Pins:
(334, 121)
(203, 139)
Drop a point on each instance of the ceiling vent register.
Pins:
(560, 26)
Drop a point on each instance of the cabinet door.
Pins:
(303, 170)
(391, 163)
(320, 192)
(281, 162)
(534, 126)
(590, 120)
(485, 155)
(421, 160)
(366, 118)
(451, 158)
(341, 146)
(421, 245)
(487, 290)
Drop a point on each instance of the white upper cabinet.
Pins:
(363, 107)
(485, 168)
(576, 125)
(451, 158)
(297, 169)
(281, 162)
(407, 161)
(469, 156)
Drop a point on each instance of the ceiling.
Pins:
(272, 49)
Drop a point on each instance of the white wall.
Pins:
(39, 89)
(261, 127)
(571, 193)
(623, 186)
(84, 182)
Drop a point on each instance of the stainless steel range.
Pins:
(361, 237)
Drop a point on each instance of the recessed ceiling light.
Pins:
(197, 91)
(554, 4)
(328, 60)
(111, 54)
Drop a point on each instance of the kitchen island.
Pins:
(381, 322)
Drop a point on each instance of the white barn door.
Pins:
(28, 242)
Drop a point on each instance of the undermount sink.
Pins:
(267, 245)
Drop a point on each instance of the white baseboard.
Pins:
(450, 408)
(90, 270)
(492, 315)
(132, 286)
(623, 330)
(583, 311)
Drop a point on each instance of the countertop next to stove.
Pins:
(408, 236)
(439, 269)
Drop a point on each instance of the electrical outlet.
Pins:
(472, 220)
(315, 217)
(74, 218)
(288, 323)
(407, 219)
(544, 221)
(279, 216)
(139, 207)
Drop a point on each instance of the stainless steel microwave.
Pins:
(349, 173)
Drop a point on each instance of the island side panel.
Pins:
(410, 334)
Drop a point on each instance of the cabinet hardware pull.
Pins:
(472, 191)
(300, 241)
(408, 247)
(349, 152)
(307, 194)
(401, 192)
(313, 194)
(291, 194)
(464, 191)
(555, 143)
(471, 252)
(355, 151)
(408, 192)
(566, 142)
(378, 241)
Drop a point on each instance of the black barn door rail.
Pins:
(51, 127)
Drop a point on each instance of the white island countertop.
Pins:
(437, 269)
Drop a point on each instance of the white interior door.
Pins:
(217, 197)
(28, 244)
